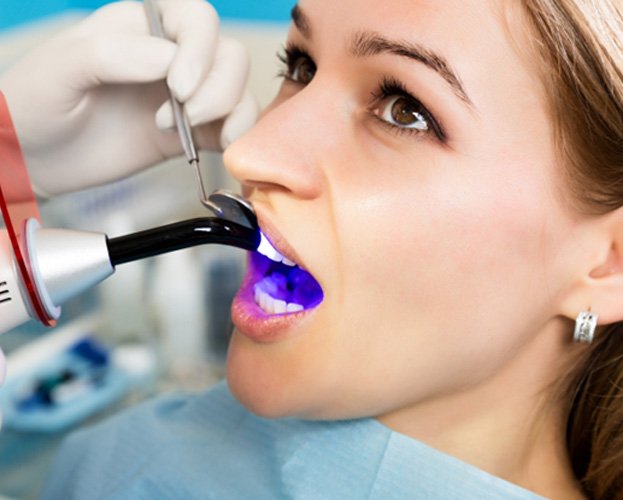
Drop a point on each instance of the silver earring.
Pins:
(585, 325)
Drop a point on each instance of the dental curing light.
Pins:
(63, 263)
(41, 268)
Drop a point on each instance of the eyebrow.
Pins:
(367, 43)
(301, 21)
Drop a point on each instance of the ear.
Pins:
(599, 287)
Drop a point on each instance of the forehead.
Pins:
(470, 20)
(406, 15)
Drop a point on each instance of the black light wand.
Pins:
(179, 235)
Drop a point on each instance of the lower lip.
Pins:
(251, 321)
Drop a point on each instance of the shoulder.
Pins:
(178, 432)
(163, 421)
(209, 446)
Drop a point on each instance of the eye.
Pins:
(303, 70)
(299, 66)
(402, 112)
(396, 108)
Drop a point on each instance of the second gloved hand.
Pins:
(90, 105)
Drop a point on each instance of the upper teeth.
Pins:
(271, 252)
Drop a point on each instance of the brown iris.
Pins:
(303, 70)
(404, 112)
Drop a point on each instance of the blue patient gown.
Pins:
(208, 446)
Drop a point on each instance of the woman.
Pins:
(447, 175)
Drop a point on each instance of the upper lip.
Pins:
(278, 241)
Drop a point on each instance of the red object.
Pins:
(18, 204)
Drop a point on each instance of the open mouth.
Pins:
(282, 286)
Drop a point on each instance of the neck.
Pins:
(511, 424)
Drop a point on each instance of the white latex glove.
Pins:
(84, 103)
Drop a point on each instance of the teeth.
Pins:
(279, 306)
(275, 306)
(269, 251)
(292, 307)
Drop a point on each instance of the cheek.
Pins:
(445, 261)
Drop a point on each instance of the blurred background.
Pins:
(156, 325)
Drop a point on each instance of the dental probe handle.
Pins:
(181, 120)
(183, 128)
(182, 124)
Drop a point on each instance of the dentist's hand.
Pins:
(90, 105)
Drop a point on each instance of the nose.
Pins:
(284, 149)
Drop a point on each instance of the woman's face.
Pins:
(407, 164)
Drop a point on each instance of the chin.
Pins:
(266, 398)
(260, 382)
(256, 401)
(275, 381)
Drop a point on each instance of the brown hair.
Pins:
(580, 44)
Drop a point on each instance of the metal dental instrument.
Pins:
(181, 119)
(233, 207)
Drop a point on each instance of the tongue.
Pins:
(293, 285)
(305, 289)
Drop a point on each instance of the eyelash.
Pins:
(387, 87)
(289, 56)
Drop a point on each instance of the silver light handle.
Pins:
(65, 262)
